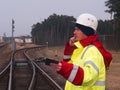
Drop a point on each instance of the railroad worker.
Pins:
(85, 60)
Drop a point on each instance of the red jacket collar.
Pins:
(94, 41)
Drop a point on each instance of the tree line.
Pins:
(114, 10)
(54, 30)
(57, 29)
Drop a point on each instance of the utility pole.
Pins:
(47, 45)
(13, 41)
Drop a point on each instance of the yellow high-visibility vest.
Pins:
(92, 62)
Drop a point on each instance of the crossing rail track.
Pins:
(44, 80)
(24, 73)
(2, 45)
(4, 65)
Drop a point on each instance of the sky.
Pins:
(25, 13)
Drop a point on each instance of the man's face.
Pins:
(78, 34)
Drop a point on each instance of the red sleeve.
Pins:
(66, 69)
(68, 50)
(66, 72)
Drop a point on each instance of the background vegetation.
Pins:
(57, 29)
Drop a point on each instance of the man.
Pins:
(85, 60)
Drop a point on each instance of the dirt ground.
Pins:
(113, 74)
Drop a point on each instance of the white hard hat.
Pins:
(88, 20)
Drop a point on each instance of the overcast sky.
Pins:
(29, 12)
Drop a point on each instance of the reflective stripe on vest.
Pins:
(99, 83)
(73, 73)
(66, 56)
(85, 51)
(94, 66)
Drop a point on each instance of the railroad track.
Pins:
(4, 78)
(43, 79)
(23, 73)
(2, 44)
(4, 65)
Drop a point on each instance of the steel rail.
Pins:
(5, 69)
(48, 77)
(33, 78)
(57, 87)
(31, 86)
(10, 74)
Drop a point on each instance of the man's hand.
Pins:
(56, 66)
(72, 41)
